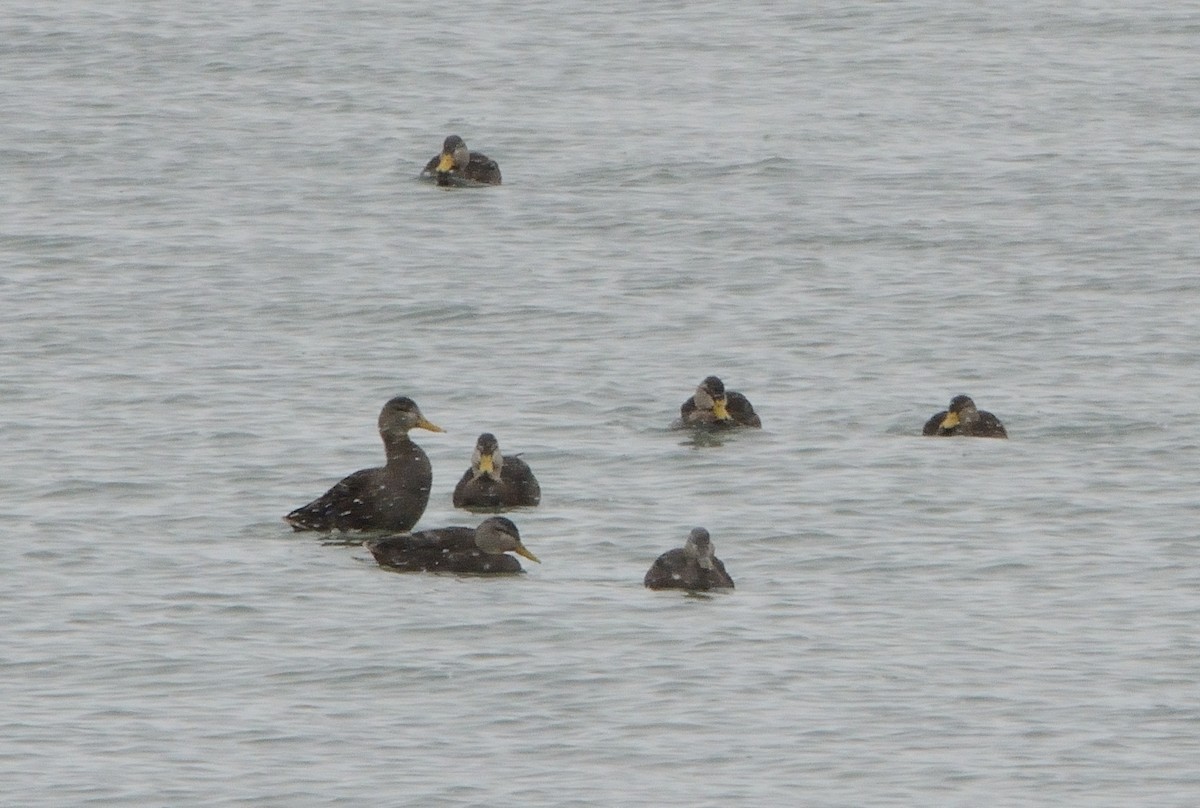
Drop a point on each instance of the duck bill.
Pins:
(432, 427)
(950, 421)
(521, 551)
(486, 466)
(445, 164)
(719, 409)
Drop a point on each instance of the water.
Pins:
(217, 266)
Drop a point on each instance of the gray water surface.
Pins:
(217, 264)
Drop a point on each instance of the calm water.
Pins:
(217, 265)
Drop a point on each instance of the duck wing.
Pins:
(346, 506)
(482, 168)
(665, 572)
(520, 486)
(423, 550)
(989, 426)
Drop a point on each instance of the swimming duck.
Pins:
(457, 162)
(713, 407)
(494, 481)
(962, 418)
(454, 549)
(692, 566)
(389, 498)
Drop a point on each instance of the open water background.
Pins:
(216, 265)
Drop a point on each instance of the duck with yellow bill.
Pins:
(482, 550)
(458, 165)
(391, 497)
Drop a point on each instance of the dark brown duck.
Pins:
(391, 497)
(479, 550)
(457, 162)
(962, 417)
(494, 481)
(693, 566)
(711, 406)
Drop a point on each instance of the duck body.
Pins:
(482, 550)
(713, 407)
(495, 482)
(962, 417)
(392, 497)
(455, 164)
(693, 567)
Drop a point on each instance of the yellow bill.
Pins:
(719, 409)
(430, 426)
(521, 551)
(950, 421)
(446, 163)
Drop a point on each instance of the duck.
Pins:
(963, 418)
(456, 161)
(494, 481)
(482, 550)
(713, 407)
(693, 566)
(392, 497)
